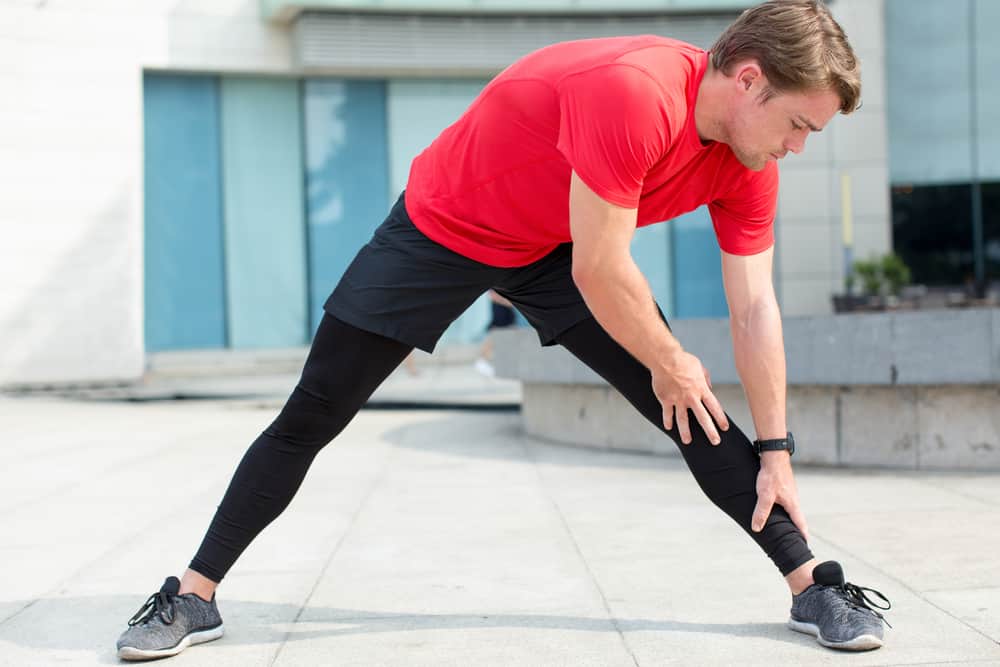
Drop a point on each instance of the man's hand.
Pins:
(776, 484)
(683, 384)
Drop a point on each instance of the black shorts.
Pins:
(404, 286)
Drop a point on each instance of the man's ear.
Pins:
(749, 76)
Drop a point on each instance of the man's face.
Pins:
(759, 132)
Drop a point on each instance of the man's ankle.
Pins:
(801, 577)
(200, 585)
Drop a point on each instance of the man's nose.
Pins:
(795, 145)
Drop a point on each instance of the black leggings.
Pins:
(344, 367)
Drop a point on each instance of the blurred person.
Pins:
(410, 363)
(535, 192)
(501, 317)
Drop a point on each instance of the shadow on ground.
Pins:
(94, 622)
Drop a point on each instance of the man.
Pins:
(536, 192)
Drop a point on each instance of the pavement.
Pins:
(447, 537)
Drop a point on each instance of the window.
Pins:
(932, 232)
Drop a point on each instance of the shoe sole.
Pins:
(859, 643)
(132, 653)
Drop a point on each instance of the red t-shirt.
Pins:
(494, 186)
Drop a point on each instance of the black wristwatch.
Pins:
(787, 443)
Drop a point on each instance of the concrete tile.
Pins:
(450, 538)
(933, 549)
(846, 492)
(706, 618)
(982, 488)
(877, 427)
(979, 608)
(971, 442)
(432, 640)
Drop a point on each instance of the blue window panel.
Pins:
(264, 222)
(651, 250)
(987, 18)
(347, 176)
(697, 267)
(184, 275)
(418, 111)
(927, 49)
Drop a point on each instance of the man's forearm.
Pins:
(760, 360)
(620, 299)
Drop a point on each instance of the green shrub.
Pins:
(870, 273)
(877, 274)
(895, 272)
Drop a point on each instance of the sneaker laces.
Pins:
(856, 597)
(160, 603)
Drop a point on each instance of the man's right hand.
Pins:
(683, 384)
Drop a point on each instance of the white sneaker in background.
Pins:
(485, 367)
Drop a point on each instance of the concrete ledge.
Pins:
(903, 390)
(888, 349)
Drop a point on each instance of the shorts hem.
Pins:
(365, 323)
(551, 337)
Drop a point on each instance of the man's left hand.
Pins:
(776, 484)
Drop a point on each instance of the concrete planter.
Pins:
(914, 390)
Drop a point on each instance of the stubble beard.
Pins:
(752, 161)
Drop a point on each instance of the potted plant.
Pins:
(882, 280)
(895, 272)
(848, 301)
(870, 273)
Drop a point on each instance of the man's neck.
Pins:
(708, 104)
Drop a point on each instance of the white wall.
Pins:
(71, 168)
(809, 247)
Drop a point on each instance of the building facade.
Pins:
(196, 175)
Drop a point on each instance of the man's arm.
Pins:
(755, 323)
(620, 299)
(759, 349)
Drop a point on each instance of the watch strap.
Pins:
(775, 444)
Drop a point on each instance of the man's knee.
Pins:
(310, 419)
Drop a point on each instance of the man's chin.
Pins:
(753, 163)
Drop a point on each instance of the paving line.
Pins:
(529, 451)
(393, 450)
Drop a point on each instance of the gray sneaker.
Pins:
(837, 613)
(168, 623)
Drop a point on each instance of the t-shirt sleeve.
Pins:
(744, 218)
(613, 127)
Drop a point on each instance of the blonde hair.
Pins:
(799, 46)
